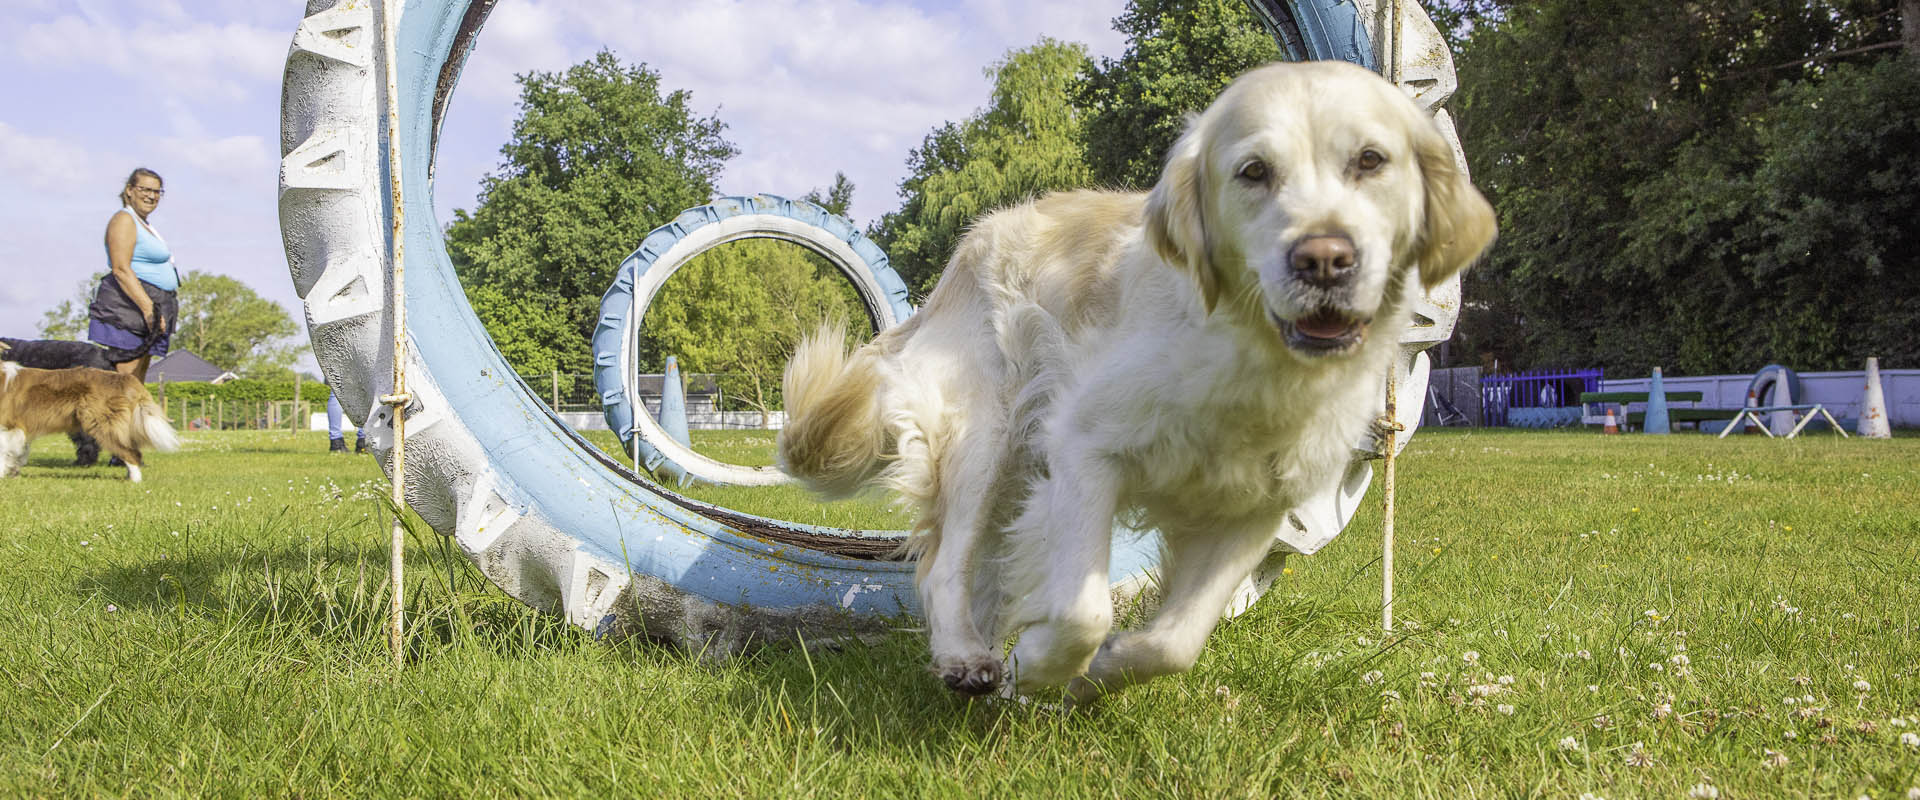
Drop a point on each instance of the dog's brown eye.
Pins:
(1255, 171)
(1370, 160)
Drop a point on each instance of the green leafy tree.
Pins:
(1618, 142)
(225, 322)
(739, 309)
(838, 198)
(1180, 54)
(600, 156)
(68, 320)
(1025, 143)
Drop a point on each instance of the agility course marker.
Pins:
(1655, 421)
(1873, 406)
(542, 513)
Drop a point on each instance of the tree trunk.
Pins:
(1910, 26)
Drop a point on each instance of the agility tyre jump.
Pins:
(545, 515)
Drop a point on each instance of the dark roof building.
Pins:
(181, 365)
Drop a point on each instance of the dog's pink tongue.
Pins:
(1323, 326)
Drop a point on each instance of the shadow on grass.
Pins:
(334, 590)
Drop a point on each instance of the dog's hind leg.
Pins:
(1200, 572)
(968, 529)
(115, 439)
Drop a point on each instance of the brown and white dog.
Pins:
(114, 409)
(1204, 355)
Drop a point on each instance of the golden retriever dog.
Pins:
(1201, 358)
(114, 409)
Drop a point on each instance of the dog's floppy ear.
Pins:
(1175, 226)
(1459, 222)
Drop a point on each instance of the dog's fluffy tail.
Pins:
(150, 429)
(834, 442)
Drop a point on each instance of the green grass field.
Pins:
(1624, 616)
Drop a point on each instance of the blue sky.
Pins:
(192, 91)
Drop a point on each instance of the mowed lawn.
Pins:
(1625, 616)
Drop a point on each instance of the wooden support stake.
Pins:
(399, 399)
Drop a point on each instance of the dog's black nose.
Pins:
(1322, 260)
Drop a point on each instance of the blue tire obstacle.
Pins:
(697, 230)
(542, 513)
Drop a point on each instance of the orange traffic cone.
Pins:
(1613, 425)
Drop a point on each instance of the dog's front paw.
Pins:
(972, 677)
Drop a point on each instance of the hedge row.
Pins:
(240, 390)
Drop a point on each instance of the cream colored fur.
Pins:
(1093, 353)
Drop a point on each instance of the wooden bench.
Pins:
(1693, 415)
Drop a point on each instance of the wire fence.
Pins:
(575, 398)
(219, 414)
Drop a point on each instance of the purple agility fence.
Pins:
(1500, 394)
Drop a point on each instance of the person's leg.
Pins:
(140, 367)
(335, 443)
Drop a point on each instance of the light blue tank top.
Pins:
(152, 259)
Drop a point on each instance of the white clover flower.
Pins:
(1569, 743)
(1913, 793)
(1504, 709)
(1583, 655)
(1774, 758)
(1897, 722)
(1703, 791)
(1506, 680)
(1862, 686)
(1789, 735)
(1363, 642)
(1661, 711)
(1590, 796)
(1680, 660)
(1910, 739)
(1470, 657)
(1593, 687)
(112, 608)
(1390, 696)
(1657, 667)
(1638, 756)
(1371, 678)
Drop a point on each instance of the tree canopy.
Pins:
(739, 310)
(600, 155)
(1705, 186)
(1025, 142)
(1180, 54)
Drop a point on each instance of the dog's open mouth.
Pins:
(1323, 331)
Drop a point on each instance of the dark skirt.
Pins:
(115, 321)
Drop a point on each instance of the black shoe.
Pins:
(336, 445)
(359, 444)
(116, 462)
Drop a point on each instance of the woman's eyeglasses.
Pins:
(142, 190)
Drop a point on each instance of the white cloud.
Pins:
(177, 57)
(49, 164)
(806, 88)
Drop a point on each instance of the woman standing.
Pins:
(134, 310)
